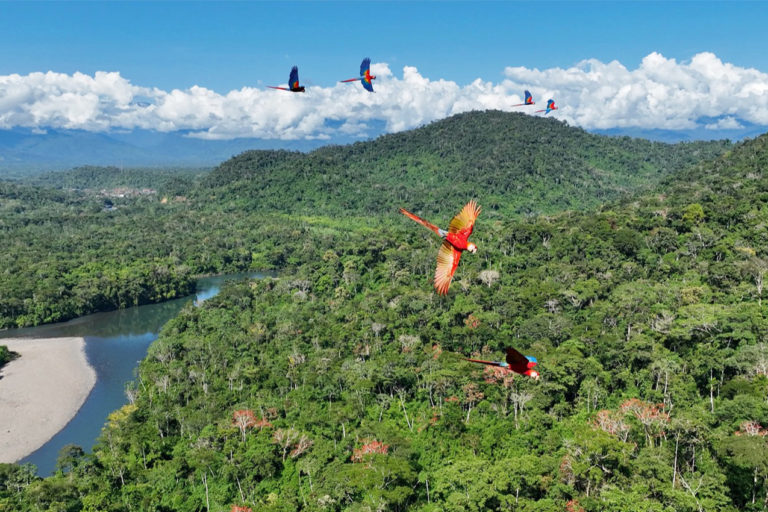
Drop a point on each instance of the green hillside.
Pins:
(341, 385)
(69, 255)
(514, 164)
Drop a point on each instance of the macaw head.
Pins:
(471, 247)
(533, 374)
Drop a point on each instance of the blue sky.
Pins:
(227, 46)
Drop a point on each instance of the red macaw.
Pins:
(454, 242)
(293, 82)
(528, 100)
(515, 362)
(550, 107)
(365, 75)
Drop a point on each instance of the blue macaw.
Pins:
(365, 75)
(550, 107)
(528, 100)
(293, 82)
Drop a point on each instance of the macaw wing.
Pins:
(465, 220)
(367, 84)
(516, 359)
(365, 66)
(447, 261)
(528, 98)
(293, 80)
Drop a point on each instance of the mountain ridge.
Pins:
(520, 164)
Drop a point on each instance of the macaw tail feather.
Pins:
(492, 363)
(421, 221)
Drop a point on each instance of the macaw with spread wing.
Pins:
(365, 75)
(454, 242)
(516, 362)
(550, 107)
(528, 100)
(293, 82)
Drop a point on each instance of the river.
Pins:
(115, 343)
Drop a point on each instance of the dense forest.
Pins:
(73, 250)
(65, 255)
(163, 182)
(341, 385)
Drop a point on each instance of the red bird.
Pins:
(454, 242)
(516, 362)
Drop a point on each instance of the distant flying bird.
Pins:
(454, 242)
(365, 75)
(293, 82)
(528, 100)
(516, 362)
(550, 107)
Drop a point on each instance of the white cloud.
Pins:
(660, 93)
(726, 123)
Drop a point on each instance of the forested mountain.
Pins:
(513, 163)
(341, 384)
(74, 256)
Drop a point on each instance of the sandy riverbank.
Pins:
(40, 392)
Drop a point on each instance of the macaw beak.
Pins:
(534, 375)
(472, 248)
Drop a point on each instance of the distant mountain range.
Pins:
(24, 150)
(672, 136)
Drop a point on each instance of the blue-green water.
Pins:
(115, 342)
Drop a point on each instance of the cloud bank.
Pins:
(660, 94)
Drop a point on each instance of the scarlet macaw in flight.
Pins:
(454, 242)
(515, 362)
(365, 75)
(550, 107)
(293, 82)
(528, 100)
